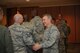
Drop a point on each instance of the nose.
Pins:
(43, 21)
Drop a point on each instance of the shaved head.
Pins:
(18, 18)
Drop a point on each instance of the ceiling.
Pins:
(41, 3)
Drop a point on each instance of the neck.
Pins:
(17, 23)
(49, 25)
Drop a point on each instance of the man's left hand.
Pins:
(36, 46)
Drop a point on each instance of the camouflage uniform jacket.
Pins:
(50, 40)
(21, 37)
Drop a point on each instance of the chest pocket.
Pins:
(47, 35)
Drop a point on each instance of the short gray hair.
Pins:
(48, 15)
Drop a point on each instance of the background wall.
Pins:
(70, 13)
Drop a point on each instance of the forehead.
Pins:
(18, 16)
(45, 17)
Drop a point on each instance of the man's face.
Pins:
(46, 20)
(1, 16)
(20, 20)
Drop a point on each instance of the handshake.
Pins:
(36, 46)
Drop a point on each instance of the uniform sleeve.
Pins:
(8, 42)
(52, 39)
(27, 38)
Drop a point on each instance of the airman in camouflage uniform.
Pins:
(21, 35)
(50, 39)
(6, 45)
(37, 28)
(29, 25)
(61, 26)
